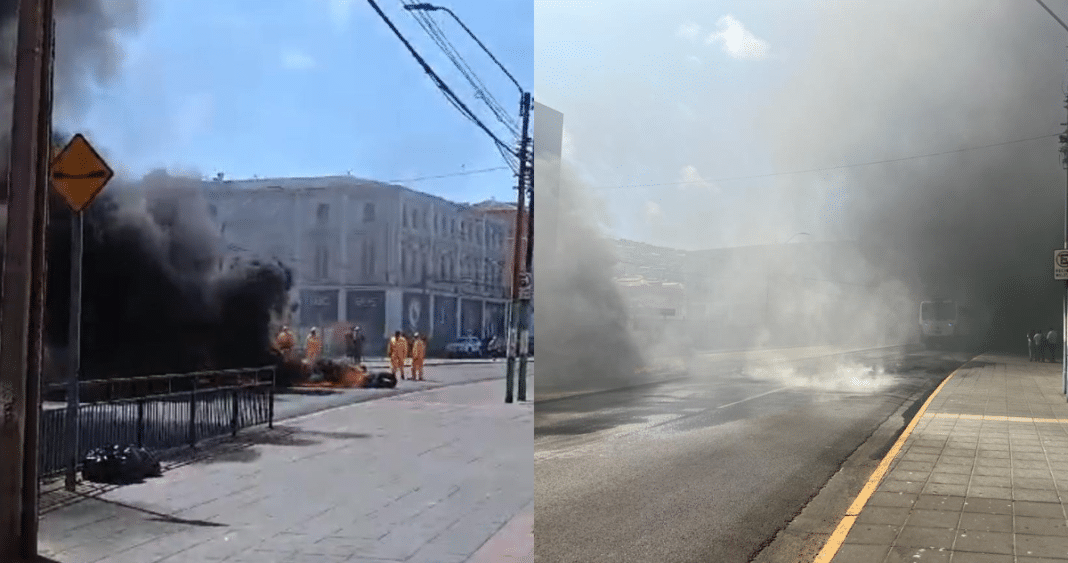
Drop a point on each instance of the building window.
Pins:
(452, 230)
(214, 211)
(322, 262)
(323, 214)
(371, 258)
(368, 213)
(404, 216)
(415, 218)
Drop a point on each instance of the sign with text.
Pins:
(318, 308)
(1060, 264)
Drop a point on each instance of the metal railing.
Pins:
(158, 413)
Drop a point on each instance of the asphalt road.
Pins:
(710, 468)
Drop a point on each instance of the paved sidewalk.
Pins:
(428, 477)
(981, 476)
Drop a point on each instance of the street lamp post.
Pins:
(424, 7)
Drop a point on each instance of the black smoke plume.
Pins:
(159, 295)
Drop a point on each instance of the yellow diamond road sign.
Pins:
(79, 174)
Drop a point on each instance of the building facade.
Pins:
(378, 255)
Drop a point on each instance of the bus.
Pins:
(945, 323)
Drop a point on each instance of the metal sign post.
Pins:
(74, 348)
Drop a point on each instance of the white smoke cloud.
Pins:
(738, 42)
(567, 148)
(653, 212)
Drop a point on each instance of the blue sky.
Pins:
(282, 88)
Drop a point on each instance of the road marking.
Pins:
(834, 543)
(753, 397)
(996, 418)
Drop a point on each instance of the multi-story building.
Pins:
(382, 256)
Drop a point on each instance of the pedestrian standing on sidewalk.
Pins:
(357, 344)
(1031, 345)
(418, 356)
(1052, 341)
(1040, 346)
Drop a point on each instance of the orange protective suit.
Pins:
(313, 348)
(418, 356)
(398, 351)
(285, 342)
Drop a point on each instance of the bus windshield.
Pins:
(938, 311)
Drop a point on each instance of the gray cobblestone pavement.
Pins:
(983, 476)
(437, 476)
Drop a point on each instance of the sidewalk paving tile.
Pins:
(982, 478)
(326, 496)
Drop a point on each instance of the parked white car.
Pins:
(464, 347)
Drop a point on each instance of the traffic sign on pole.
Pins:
(1060, 264)
(79, 173)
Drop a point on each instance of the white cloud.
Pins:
(297, 60)
(653, 212)
(738, 42)
(694, 59)
(693, 180)
(689, 31)
(340, 13)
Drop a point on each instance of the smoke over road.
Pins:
(874, 83)
(976, 225)
(157, 294)
(584, 340)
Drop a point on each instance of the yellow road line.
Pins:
(834, 543)
(997, 418)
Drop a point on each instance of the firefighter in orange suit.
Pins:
(313, 346)
(285, 342)
(398, 351)
(418, 356)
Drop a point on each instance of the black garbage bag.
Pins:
(119, 464)
(382, 380)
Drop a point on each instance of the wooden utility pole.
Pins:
(517, 251)
(22, 302)
(527, 295)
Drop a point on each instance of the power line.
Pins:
(437, 80)
(451, 174)
(842, 167)
(430, 26)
